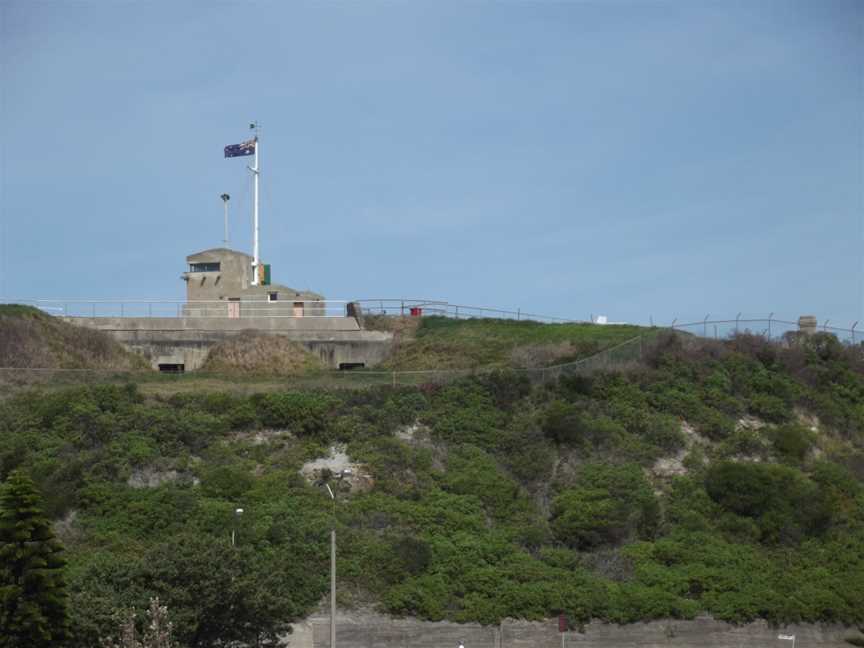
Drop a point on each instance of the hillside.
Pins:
(30, 338)
(446, 343)
(720, 477)
(260, 354)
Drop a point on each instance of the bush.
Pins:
(303, 413)
(608, 505)
(786, 505)
(563, 424)
(791, 442)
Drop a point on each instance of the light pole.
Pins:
(237, 513)
(332, 570)
(225, 198)
(342, 473)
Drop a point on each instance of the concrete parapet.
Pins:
(263, 324)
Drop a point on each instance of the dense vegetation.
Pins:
(725, 477)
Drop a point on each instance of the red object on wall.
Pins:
(562, 623)
(416, 311)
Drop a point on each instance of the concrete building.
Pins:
(219, 284)
(221, 303)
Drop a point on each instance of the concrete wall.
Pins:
(368, 630)
(233, 277)
(223, 324)
(187, 341)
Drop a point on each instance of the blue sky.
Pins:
(635, 159)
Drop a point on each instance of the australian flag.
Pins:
(239, 150)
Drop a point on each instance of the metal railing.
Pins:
(404, 307)
(168, 308)
(261, 306)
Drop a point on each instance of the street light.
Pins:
(237, 513)
(342, 473)
(225, 198)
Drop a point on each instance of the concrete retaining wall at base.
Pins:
(369, 630)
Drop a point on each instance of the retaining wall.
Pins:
(369, 630)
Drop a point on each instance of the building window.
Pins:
(273, 296)
(204, 267)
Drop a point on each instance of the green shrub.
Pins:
(608, 505)
(562, 423)
(791, 442)
(303, 413)
(664, 431)
(785, 504)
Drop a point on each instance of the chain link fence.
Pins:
(627, 354)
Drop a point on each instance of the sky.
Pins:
(643, 160)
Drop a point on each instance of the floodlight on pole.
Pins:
(332, 569)
(225, 198)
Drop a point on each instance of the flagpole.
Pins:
(255, 173)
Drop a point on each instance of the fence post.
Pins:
(705, 325)
(769, 325)
(853, 333)
(518, 313)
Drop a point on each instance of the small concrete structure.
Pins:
(807, 324)
(219, 284)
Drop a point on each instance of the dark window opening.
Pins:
(204, 267)
(172, 368)
(273, 296)
(348, 366)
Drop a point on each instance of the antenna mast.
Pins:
(256, 172)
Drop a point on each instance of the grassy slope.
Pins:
(445, 343)
(31, 339)
(262, 355)
(510, 500)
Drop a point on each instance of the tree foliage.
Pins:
(33, 609)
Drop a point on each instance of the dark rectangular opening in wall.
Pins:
(204, 267)
(172, 368)
(348, 366)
